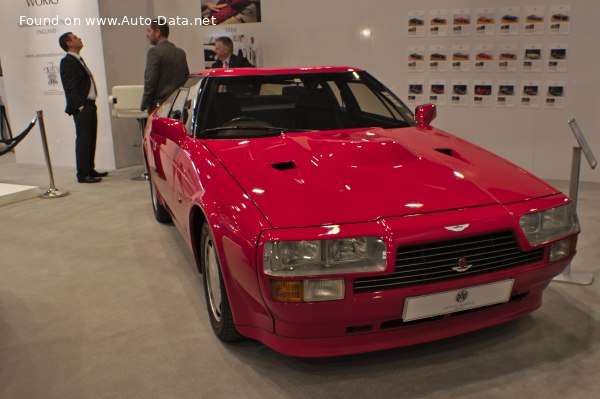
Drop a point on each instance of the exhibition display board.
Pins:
(30, 53)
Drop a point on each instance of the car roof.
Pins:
(273, 71)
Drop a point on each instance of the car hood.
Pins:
(335, 177)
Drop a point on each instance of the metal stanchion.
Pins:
(52, 192)
(144, 176)
(569, 276)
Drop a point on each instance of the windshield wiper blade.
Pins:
(242, 127)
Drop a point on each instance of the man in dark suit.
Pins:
(80, 92)
(166, 67)
(225, 56)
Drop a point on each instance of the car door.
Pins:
(186, 180)
(165, 150)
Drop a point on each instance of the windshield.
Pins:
(251, 106)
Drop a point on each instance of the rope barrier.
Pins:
(12, 143)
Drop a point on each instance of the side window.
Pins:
(369, 102)
(179, 105)
(165, 108)
(189, 115)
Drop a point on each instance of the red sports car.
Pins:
(327, 220)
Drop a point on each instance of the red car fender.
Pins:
(235, 223)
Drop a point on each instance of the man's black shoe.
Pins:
(98, 174)
(89, 179)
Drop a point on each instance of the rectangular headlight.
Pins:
(319, 257)
(551, 224)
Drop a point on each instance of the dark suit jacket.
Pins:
(166, 70)
(76, 83)
(235, 61)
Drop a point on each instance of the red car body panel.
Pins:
(403, 185)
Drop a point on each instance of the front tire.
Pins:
(217, 303)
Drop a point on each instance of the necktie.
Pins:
(90, 75)
(225, 64)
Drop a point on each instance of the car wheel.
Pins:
(160, 212)
(217, 302)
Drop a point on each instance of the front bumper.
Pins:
(370, 321)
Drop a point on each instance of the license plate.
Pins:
(421, 307)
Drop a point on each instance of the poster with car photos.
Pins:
(485, 22)
(560, 20)
(437, 92)
(438, 23)
(461, 55)
(533, 20)
(484, 58)
(416, 58)
(555, 95)
(415, 94)
(508, 57)
(506, 93)
(438, 58)
(482, 93)
(416, 23)
(532, 57)
(459, 96)
(509, 20)
(530, 94)
(557, 57)
(461, 22)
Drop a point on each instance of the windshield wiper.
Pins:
(272, 130)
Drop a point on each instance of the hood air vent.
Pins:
(284, 165)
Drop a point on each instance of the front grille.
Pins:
(431, 262)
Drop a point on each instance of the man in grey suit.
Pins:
(166, 67)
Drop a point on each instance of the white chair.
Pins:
(126, 102)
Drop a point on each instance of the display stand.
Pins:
(568, 275)
(126, 102)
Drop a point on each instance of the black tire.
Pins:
(160, 212)
(217, 303)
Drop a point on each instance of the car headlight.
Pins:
(544, 226)
(336, 256)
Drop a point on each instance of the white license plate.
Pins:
(421, 307)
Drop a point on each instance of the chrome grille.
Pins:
(431, 262)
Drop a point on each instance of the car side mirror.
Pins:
(170, 129)
(424, 115)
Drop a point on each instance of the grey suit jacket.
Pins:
(166, 70)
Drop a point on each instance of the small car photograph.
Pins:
(509, 19)
(459, 90)
(507, 56)
(439, 21)
(437, 57)
(530, 90)
(534, 18)
(458, 56)
(556, 91)
(462, 20)
(415, 57)
(416, 22)
(560, 17)
(484, 56)
(327, 219)
(415, 89)
(506, 90)
(558, 53)
(533, 53)
(483, 90)
(437, 89)
(485, 19)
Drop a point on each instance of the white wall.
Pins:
(315, 32)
